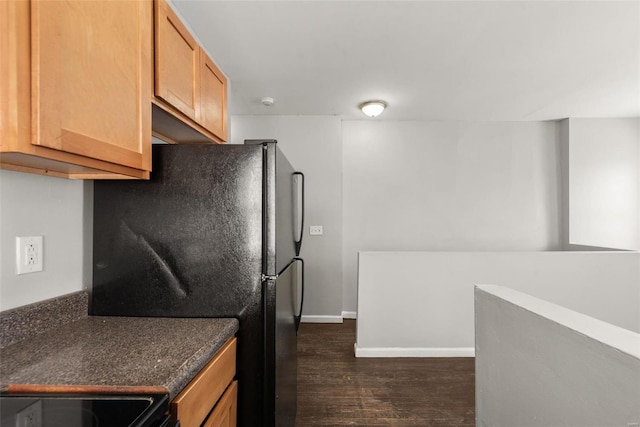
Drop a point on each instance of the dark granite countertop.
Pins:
(114, 355)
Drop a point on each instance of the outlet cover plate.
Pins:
(29, 254)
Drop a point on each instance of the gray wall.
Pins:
(448, 186)
(34, 205)
(313, 145)
(603, 182)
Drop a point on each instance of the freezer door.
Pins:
(281, 365)
(283, 207)
(279, 246)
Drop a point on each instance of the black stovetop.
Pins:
(74, 410)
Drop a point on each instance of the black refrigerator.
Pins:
(215, 232)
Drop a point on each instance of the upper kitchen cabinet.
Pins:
(177, 61)
(213, 114)
(188, 87)
(76, 85)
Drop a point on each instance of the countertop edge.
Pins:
(83, 389)
(199, 360)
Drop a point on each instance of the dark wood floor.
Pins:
(336, 389)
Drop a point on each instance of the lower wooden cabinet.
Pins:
(225, 413)
(211, 397)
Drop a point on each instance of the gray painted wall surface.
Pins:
(541, 365)
(563, 136)
(448, 186)
(34, 205)
(603, 169)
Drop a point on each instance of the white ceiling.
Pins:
(434, 60)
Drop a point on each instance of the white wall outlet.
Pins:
(315, 230)
(31, 416)
(29, 254)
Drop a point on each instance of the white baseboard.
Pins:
(321, 319)
(414, 352)
(349, 314)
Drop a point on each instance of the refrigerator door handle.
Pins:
(298, 215)
(298, 316)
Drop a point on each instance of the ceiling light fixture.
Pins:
(373, 108)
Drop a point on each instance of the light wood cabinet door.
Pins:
(197, 399)
(225, 412)
(15, 81)
(177, 62)
(188, 85)
(91, 79)
(213, 113)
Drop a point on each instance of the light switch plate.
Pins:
(29, 254)
(315, 230)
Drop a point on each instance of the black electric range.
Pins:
(75, 410)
